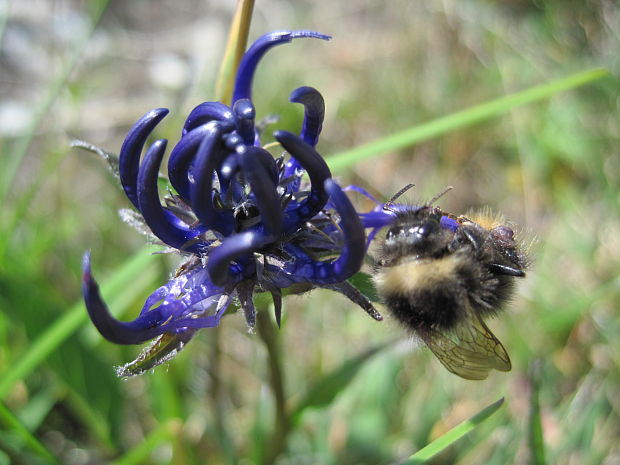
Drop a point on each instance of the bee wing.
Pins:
(473, 350)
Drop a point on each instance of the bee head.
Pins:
(417, 232)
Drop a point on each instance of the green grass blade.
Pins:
(18, 150)
(535, 431)
(456, 433)
(460, 119)
(165, 432)
(69, 323)
(235, 48)
(12, 423)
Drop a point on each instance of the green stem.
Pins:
(282, 426)
(235, 48)
(217, 400)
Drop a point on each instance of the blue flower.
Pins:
(246, 221)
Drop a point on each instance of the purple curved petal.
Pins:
(190, 295)
(244, 120)
(209, 158)
(353, 249)
(318, 172)
(142, 329)
(247, 67)
(381, 217)
(201, 306)
(265, 159)
(205, 112)
(235, 247)
(378, 218)
(314, 112)
(183, 154)
(364, 192)
(129, 156)
(252, 161)
(162, 223)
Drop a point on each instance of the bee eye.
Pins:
(426, 229)
(393, 232)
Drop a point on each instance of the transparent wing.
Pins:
(470, 351)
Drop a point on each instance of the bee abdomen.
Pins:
(438, 309)
(426, 293)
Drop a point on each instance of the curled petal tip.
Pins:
(129, 156)
(118, 332)
(244, 113)
(86, 276)
(314, 112)
(306, 95)
(247, 67)
(158, 112)
(317, 170)
(310, 34)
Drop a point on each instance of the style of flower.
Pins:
(246, 222)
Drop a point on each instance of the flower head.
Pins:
(246, 221)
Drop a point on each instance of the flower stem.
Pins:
(216, 395)
(237, 41)
(268, 333)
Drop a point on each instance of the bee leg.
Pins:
(471, 238)
(506, 270)
(354, 295)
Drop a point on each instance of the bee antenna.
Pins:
(440, 195)
(388, 205)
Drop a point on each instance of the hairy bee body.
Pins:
(440, 275)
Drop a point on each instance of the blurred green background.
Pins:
(552, 167)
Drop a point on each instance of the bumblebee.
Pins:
(442, 275)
